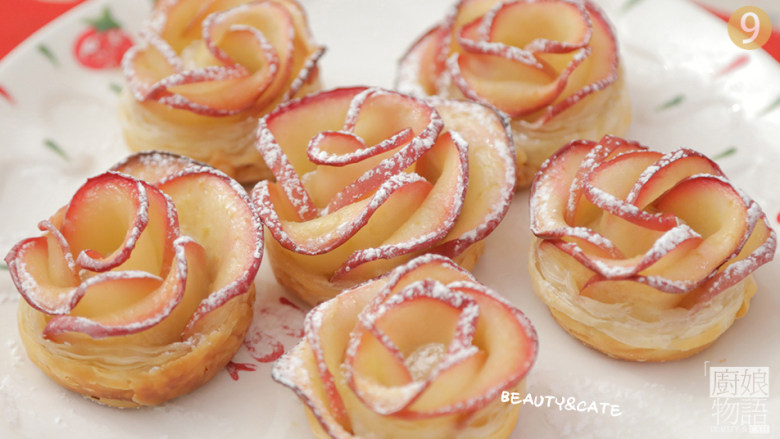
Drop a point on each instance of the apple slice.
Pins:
(387, 389)
(237, 36)
(597, 71)
(691, 200)
(45, 282)
(550, 195)
(234, 241)
(491, 79)
(144, 66)
(605, 187)
(244, 57)
(644, 301)
(135, 218)
(342, 316)
(473, 40)
(434, 216)
(491, 173)
(323, 234)
(346, 336)
(502, 362)
(339, 148)
(549, 27)
(464, 13)
(127, 302)
(154, 166)
(578, 209)
(758, 249)
(368, 117)
(421, 64)
(551, 188)
(668, 171)
(665, 251)
(293, 125)
(179, 22)
(336, 172)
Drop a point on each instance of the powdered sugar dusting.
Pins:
(170, 289)
(736, 266)
(481, 43)
(425, 363)
(151, 82)
(377, 184)
(503, 155)
(427, 237)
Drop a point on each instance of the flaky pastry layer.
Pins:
(129, 375)
(626, 331)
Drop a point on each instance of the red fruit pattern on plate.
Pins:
(103, 44)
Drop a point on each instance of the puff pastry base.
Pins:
(607, 111)
(226, 143)
(127, 375)
(614, 330)
(314, 288)
(495, 421)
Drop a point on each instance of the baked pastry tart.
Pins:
(424, 352)
(205, 70)
(642, 255)
(550, 66)
(368, 178)
(141, 288)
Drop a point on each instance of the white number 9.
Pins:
(755, 27)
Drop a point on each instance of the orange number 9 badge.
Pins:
(749, 27)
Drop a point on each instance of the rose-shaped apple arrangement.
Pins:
(643, 255)
(551, 66)
(141, 288)
(206, 70)
(368, 178)
(424, 352)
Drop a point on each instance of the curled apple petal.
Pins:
(204, 72)
(551, 67)
(40, 282)
(161, 264)
(665, 236)
(368, 178)
(449, 159)
(240, 51)
(140, 218)
(363, 359)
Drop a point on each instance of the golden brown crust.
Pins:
(227, 143)
(615, 330)
(130, 376)
(314, 288)
(495, 421)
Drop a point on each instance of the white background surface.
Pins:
(669, 47)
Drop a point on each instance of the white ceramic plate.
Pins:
(671, 49)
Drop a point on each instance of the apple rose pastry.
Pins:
(141, 288)
(207, 69)
(423, 352)
(551, 66)
(642, 255)
(368, 178)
